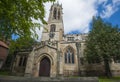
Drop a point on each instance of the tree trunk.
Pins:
(107, 67)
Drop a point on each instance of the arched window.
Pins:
(54, 13)
(69, 56)
(52, 28)
(20, 61)
(25, 61)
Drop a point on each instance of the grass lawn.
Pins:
(4, 73)
(113, 79)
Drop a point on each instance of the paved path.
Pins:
(46, 79)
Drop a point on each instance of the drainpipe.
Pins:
(58, 59)
(78, 45)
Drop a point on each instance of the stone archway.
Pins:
(45, 66)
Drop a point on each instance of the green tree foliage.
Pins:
(16, 46)
(21, 43)
(16, 17)
(103, 43)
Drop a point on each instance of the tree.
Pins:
(16, 46)
(16, 17)
(21, 43)
(103, 43)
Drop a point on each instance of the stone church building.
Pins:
(58, 54)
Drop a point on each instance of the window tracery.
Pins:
(69, 56)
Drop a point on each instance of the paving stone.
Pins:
(47, 79)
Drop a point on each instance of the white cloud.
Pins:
(78, 13)
(110, 9)
(117, 2)
(102, 1)
(38, 30)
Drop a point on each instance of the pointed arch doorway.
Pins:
(45, 67)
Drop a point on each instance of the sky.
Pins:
(77, 14)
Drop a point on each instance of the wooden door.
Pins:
(44, 67)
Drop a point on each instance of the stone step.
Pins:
(47, 79)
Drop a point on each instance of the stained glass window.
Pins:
(69, 56)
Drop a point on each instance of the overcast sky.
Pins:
(78, 13)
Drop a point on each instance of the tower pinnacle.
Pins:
(55, 13)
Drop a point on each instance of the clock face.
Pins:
(51, 35)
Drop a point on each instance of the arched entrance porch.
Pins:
(43, 61)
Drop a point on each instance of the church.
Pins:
(58, 54)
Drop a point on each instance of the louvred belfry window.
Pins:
(54, 13)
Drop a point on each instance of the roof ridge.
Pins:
(3, 44)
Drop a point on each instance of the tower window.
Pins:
(54, 13)
(20, 62)
(52, 28)
(69, 56)
(70, 38)
(23, 61)
(59, 14)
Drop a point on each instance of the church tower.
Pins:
(54, 29)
